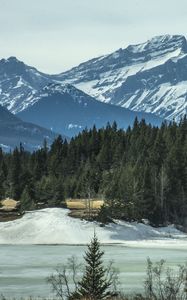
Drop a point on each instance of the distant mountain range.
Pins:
(13, 131)
(147, 80)
(67, 110)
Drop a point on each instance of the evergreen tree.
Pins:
(94, 284)
(14, 175)
(58, 198)
(2, 192)
(140, 172)
(27, 202)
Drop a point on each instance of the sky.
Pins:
(55, 35)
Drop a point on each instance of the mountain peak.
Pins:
(175, 41)
(151, 76)
(163, 43)
(12, 58)
(18, 82)
(9, 59)
(62, 88)
(139, 77)
(167, 39)
(11, 66)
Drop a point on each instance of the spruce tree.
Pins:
(27, 202)
(14, 175)
(94, 285)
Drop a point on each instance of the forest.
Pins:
(141, 172)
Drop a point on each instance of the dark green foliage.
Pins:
(104, 215)
(94, 285)
(141, 172)
(27, 199)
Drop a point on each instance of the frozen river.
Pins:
(23, 268)
(31, 247)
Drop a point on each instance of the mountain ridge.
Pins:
(68, 110)
(148, 77)
(110, 78)
(18, 82)
(14, 131)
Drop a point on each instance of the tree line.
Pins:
(141, 172)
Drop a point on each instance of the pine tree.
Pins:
(94, 284)
(14, 174)
(2, 192)
(27, 202)
(58, 193)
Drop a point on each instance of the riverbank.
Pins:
(55, 226)
(86, 209)
(10, 210)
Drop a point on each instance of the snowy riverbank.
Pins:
(54, 226)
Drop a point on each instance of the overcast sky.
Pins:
(54, 35)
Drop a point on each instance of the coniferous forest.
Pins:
(141, 172)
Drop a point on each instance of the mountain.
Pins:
(14, 131)
(67, 110)
(18, 83)
(149, 77)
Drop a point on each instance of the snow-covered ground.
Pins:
(54, 226)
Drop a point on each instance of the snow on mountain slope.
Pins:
(150, 77)
(19, 82)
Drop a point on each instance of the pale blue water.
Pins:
(23, 269)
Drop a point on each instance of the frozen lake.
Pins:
(23, 268)
(31, 248)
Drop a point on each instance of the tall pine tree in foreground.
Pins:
(94, 285)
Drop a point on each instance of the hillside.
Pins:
(67, 110)
(14, 131)
(149, 77)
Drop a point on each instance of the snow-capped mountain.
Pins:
(18, 83)
(67, 110)
(149, 77)
(14, 131)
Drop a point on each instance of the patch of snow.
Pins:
(113, 79)
(19, 83)
(5, 146)
(162, 59)
(71, 126)
(54, 226)
(169, 101)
